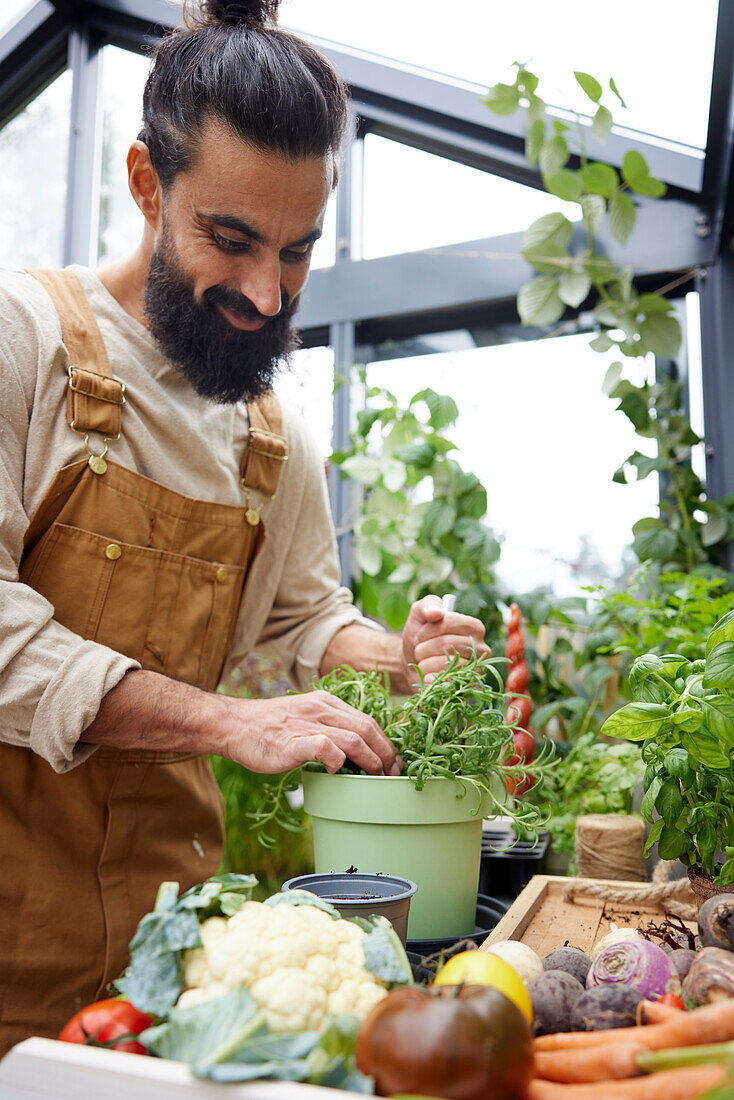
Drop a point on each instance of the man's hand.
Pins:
(283, 733)
(431, 637)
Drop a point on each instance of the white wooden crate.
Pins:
(44, 1069)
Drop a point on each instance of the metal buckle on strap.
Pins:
(96, 462)
(96, 396)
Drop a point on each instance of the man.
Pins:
(136, 490)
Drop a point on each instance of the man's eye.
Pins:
(297, 256)
(229, 245)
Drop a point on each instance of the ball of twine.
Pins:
(610, 846)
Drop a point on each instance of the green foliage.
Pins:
(420, 526)
(594, 778)
(687, 738)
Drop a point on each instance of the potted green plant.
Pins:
(425, 825)
(683, 715)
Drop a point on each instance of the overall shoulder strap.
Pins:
(95, 397)
(265, 450)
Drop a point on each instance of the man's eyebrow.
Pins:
(230, 221)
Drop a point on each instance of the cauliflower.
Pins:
(298, 963)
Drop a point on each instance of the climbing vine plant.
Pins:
(571, 268)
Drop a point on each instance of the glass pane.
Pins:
(415, 200)
(12, 11)
(308, 387)
(480, 44)
(34, 150)
(537, 430)
(120, 221)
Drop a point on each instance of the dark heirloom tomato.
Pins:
(459, 1042)
(112, 1023)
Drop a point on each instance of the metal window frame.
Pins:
(692, 230)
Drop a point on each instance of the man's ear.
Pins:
(144, 184)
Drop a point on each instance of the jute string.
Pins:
(675, 895)
(610, 846)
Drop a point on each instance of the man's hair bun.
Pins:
(250, 14)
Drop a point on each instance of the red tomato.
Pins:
(515, 647)
(673, 1000)
(517, 678)
(111, 1023)
(524, 745)
(518, 710)
(521, 785)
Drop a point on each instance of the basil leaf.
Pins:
(674, 665)
(650, 798)
(654, 837)
(672, 843)
(704, 750)
(669, 802)
(720, 668)
(677, 764)
(723, 631)
(718, 712)
(637, 721)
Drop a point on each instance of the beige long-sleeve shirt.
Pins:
(51, 680)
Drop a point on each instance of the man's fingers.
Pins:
(453, 623)
(428, 610)
(448, 644)
(323, 748)
(366, 728)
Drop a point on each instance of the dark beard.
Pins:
(221, 362)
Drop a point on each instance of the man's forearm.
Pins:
(364, 649)
(149, 711)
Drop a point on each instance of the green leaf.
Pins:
(719, 672)
(553, 154)
(503, 99)
(534, 140)
(593, 208)
(651, 793)
(368, 556)
(635, 409)
(539, 302)
(722, 631)
(718, 712)
(601, 127)
(439, 518)
(384, 955)
(677, 764)
(591, 86)
(551, 229)
(421, 455)
(622, 216)
(602, 343)
(443, 409)
(545, 261)
(363, 468)
(536, 109)
(614, 88)
(704, 750)
(653, 540)
(662, 335)
(716, 527)
(654, 836)
(726, 873)
(612, 376)
(208, 1032)
(574, 287)
(394, 474)
(654, 303)
(565, 184)
(637, 721)
(636, 175)
(302, 897)
(394, 607)
(599, 179)
(672, 843)
(669, 802)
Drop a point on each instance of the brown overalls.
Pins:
(159, 577)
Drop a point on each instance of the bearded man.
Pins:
(144, 457)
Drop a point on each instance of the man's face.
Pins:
(230, 259)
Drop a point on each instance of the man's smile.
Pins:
(239, 320)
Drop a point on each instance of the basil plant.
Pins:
(682, 713)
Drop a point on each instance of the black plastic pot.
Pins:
(489, 913)
(362, 895)
(507, 865)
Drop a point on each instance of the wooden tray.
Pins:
(541, 918)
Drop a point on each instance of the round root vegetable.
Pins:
(716, 922)
(571, 959)
(711, 977)
(682, 959)
(636, 963)
(605, 1007)
(461, 1043)
(554, 995)
(617, 935)
(521, 958)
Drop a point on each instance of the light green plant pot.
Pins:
(382, 824)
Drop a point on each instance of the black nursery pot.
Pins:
(507, 865)
(362, 895)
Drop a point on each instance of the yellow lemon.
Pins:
(481, 968)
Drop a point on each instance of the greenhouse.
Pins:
(366, 519)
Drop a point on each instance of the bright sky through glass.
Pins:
(660, 52)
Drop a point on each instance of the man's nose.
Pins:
(261, 284)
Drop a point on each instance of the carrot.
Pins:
(710, 1024)
(599, 1063)
(672, 1084)
(653, 1012)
